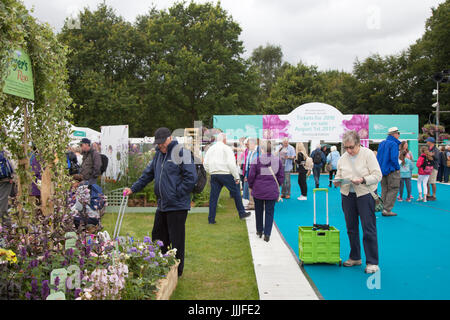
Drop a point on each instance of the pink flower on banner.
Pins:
(359, 123)
(274, 127)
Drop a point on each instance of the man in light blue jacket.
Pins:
(387, 157)
(333, 158)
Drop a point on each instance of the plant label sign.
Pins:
(73, 280)
(62, 275)
(19, 77)
(57, 296)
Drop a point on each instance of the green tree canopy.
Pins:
(170, 68)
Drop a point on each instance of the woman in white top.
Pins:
(358, 175)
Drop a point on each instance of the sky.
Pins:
(330, 34)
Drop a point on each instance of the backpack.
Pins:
(104, 163)
(309, 164)
(201, 175)
(6, 170)
(427, 166)
(317, 158)
(72, 164)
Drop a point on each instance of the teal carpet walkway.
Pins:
(414, 247)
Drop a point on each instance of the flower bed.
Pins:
(94, 269)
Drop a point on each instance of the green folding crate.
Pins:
(319, 243)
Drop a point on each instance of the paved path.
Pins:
(278, 275)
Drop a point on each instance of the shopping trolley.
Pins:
(319, 243)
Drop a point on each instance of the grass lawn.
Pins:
(218, 262)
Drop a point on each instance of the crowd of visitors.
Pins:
(258, 172)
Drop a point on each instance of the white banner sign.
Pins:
(114, 142)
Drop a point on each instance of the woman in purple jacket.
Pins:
(265, 177)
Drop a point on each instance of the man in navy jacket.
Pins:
(387, 157)
(175, 176)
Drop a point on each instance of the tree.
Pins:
(193, 67)
(170, 68)
(302, 84)
(268, 60)
(102, 69)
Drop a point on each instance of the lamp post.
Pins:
(439, 77)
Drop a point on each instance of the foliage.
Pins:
(184, 61)
(42, 122)
(146, 265)
(268, 60)
(109, 270)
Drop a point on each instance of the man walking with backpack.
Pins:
(175, 177)
(6, 183)
(92, 162)
(319, 160)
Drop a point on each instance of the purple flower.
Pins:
(69, 252)
(57, 281)
(23, 251)
(77, 293)
(34, 263)
(160, 243)
(147, 239)
(45, 291)
(152, 254)
(147, 259)
(34, 286)
(156, 263)
(28, 295)
(132, 249)
(81, 262)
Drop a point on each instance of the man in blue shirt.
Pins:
(387, 157)
(287, 156)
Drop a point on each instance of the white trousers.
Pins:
(422, 180)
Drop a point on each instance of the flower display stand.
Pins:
(167, 285)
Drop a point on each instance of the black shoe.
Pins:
(245, 215)
(212, 222)
(266, 238)
(259, 234)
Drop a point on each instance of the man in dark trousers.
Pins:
(319, 160)
(175, 177)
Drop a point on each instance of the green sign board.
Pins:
(19, 78)
(379, 124)
(77, 133)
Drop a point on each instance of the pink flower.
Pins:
(274, 127)
(359, 123)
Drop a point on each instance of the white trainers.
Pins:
(302, 198)
(371, 268)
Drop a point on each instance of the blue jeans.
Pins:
(218, 181)
(245, 191)
(446, 173)
(269, 206)
(316, 173)
(407, 182)
(363, 208)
